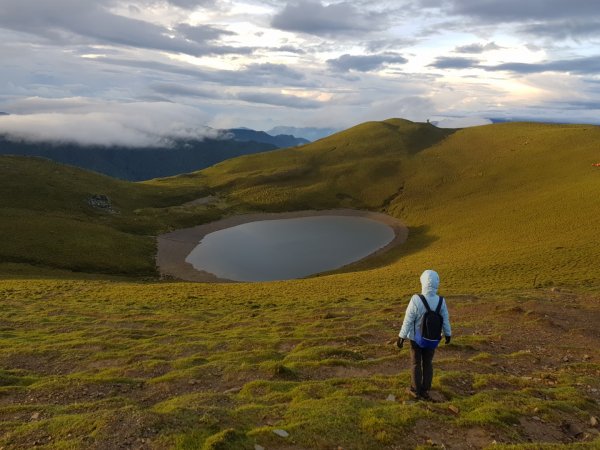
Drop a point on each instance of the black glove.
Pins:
(400, 342)
(448, 339)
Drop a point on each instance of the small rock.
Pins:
(536, 418)
(586, 357)
(594, 421)
(101, 201)
(454, 409)
(258, 447)
(35, 416)
(536, 410)
(437, 397)
(566, 358)
(192, 382)
(233, 390)
(391, 398)
(281, 433)
(575, 429)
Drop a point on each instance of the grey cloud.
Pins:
(289, 101)
(477, 48)
(557, 19)
(192, 4)
(269, 98)
(184, 91)
(565, 29)
(388, 44)
(266, 74)
(86, 21)
(202, 33)
(587, 65)
(312, 17)
(451, 62)
(579, 105)
(522, 11)
(289, 49)
(269, 70)
(365, 63)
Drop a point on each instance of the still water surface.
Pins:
(288, 248)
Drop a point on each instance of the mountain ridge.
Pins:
(142, 163)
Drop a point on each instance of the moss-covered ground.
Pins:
(107, 364)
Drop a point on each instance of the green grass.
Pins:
(187, 366)
(95, 351)
(44, 210)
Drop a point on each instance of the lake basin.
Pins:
(283, 249)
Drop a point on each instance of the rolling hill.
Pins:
(108, 356)
(518, 201)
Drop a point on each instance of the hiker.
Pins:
(421, 326)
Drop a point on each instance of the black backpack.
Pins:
(429, 333)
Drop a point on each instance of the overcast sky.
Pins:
(125, 71)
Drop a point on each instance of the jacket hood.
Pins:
(430, 282)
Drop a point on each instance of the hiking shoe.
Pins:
(425, 396)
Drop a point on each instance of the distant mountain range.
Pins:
(136, 164)
(280, 140)
(310, 133)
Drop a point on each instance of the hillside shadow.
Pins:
(418, 136)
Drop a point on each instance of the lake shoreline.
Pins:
(174, 247)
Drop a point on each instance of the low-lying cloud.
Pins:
(140, 124)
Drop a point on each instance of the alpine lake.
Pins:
(282, 249)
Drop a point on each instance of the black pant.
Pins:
(422, 367)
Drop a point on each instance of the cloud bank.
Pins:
(129, 125)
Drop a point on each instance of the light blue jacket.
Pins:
(430, 281)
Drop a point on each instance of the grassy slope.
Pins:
(105, 363)
(46, 221)
(512, 203)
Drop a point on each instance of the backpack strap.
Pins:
(424, 300)
(439, 306)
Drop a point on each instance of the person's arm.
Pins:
(409, 319)
(446, 327)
